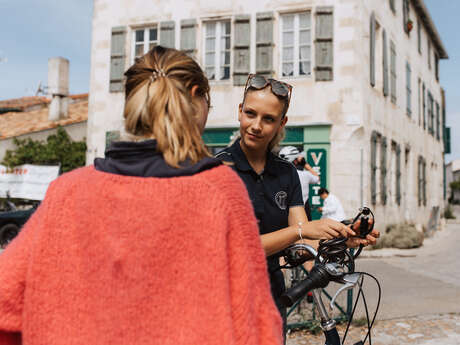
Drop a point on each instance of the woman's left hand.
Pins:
(371, 238)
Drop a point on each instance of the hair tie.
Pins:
(156, 74)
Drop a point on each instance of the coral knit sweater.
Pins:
(112, 259)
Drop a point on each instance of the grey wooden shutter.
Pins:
(419, 181)
(392, 6)
(424, 105)
(437, 122)
(385, 63)
(372, 49)
(424, 181)
(383, 171)
(117, 58)
(324, 47)
(188, 36)
(405, 4)
(398, 174)
(393, 71)
(264, 44)
(419, 36)
(241, 49)
(374, 167)
(167, 34)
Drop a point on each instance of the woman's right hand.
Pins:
(325, 229)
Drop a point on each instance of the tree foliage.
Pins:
(455, 185)
(58, 148)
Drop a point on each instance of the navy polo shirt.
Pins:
(272, 193)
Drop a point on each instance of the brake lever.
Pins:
(350, 281)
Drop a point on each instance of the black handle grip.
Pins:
(318, 278)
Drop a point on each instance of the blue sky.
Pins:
(34, 30)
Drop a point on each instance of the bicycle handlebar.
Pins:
(318, 278)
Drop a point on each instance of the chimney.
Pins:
(58, 88)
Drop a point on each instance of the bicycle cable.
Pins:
(361, 292)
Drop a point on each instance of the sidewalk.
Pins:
(422, 330)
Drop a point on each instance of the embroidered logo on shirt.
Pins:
(281, 199)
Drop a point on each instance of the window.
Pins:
(144, 40)
(217, 49)
(296, 44)
(408, 89)
(393, 71)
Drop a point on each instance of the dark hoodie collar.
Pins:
(141, 159)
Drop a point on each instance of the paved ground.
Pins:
(422, 330)
(421, 294)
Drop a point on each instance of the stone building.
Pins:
(367, 105)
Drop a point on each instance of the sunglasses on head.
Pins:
(259, 82)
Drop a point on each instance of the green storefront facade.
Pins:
(313, 139)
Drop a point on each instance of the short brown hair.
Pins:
(159, 103)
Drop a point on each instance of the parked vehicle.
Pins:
(12, 219)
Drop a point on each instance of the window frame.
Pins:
(218, 49)
(296, 45)
(146, 43)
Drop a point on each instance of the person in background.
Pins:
(306, 173)
(332, 207)
(156, 243)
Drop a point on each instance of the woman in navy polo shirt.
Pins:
(273, 184)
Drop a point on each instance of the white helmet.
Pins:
(289, 153)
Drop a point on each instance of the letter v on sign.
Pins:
(316, 158)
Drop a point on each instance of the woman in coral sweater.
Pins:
(157, 243)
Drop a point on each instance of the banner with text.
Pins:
(26, 181)
(317, 158)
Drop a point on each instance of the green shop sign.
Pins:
(317, 158)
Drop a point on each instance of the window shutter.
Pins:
(405, 4)
(447, 140)
(383, 171)
(424, 181)
(374, 168)
(385, 63)
(424, 105)
(241, 49)
(372, 49)
(393, 71)
(324, 48)
(167, 34)
(117, 58)
(437, 122)
(398, 174)
(188, 36)
(419, 181)
(408, 89)
(392, 5)
(264, 44)
(419, 36)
